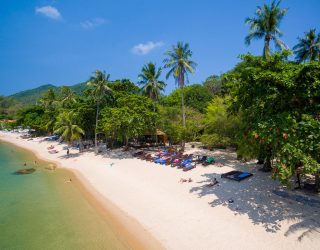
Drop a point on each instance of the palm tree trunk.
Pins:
(266, 49)
(95, 130)
(181, 83)
(182, 108)
(155, 122)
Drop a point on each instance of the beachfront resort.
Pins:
(158, 158)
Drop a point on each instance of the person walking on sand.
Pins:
(68, 151)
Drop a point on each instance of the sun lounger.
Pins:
(208, 161)
(201, 159)
(145, 156)
(185, 162)
(236, 175)
(189, 166)
(136, 154)
(53, 151)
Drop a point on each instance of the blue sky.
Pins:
(63, 42)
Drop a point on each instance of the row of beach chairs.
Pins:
(182, 161)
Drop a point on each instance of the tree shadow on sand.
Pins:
(256, 198)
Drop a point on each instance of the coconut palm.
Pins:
(179, 64)
(265, 25)
(48, 100)
(308, 47)
(98, 84)
(149, 79)
(67, 97)
(66, 128)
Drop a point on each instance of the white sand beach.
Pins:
(191, 215)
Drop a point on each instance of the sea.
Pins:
(42, 210)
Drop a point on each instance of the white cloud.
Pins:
(90, 24)
(49, 11)
(145, 48)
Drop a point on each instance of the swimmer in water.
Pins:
(25, 164)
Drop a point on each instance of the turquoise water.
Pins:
(41, 211)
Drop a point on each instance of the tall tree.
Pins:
(98, 83)
(66, 128)
(48, 100)
(265, 24)
(308, 47)
(179, 63)
(67, 97)
(149, 80)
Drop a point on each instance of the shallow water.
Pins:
(41, 211)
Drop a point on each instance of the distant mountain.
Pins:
(79, 87)
(32, 96)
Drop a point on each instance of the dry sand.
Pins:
(191, 215)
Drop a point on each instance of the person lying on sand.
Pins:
(182, 180)
(212, 183)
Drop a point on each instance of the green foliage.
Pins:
(279, 105)
(67, 97)
(196, 96)
(84, 116)
(178, 61)
(220, 129)
(66, 127)
(215, 85)
(98, 84)
(49, 100)
(8, 107)
(132, 116)
(124, 86)
(170, 123)
(149, 80)
(32, 117)
(308, 47)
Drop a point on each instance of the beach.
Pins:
(155, 208)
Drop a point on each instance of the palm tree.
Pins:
(179, 64)
(265, 25)
(98, 82)
(48, 100)
(151, 86)
(67, 97)
(66, 128)
(308, 47)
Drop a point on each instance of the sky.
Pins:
(64, 42)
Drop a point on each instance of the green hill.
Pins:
(32, 96)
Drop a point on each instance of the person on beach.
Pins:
(68, 181)
(68, 151)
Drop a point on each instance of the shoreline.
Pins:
(127, 229)
(176, 215)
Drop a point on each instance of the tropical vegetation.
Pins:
(267, 107)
